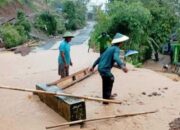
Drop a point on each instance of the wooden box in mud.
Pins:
(71, 109)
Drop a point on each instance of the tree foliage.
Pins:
(147, 23)
(17, 34)
(63, 15)
(75, 14)
(46, 22)
(4, 2)
(50, 23)
(21, 20)
(11, 36)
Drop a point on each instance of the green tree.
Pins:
(4, 2)
(147, 23)
(75, 14)
(10, 36)
(47, 23)
(103, 23)
(17, 34)
(21, 20)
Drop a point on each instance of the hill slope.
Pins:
(8, 8)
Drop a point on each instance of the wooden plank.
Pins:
(73, 78)
(70, 78)
(72, 75)
(76, 81)
(70, 108)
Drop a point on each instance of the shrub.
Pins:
(60, 25)
(178, 34)
(14, 35)
(11, 36)
(47, 23)
(4, 2)
(24, 35)
(22, 21)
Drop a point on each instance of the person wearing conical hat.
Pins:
(64, 59)
(105, 63)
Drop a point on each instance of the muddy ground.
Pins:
(140, 90)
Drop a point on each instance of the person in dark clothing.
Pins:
(156, 55)
(170, 52)
(169, 46)
(105, 63)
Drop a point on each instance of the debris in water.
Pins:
(175, 125)
(143, 93)
(29, 96)
(140, 103)
(154, 94)
(23, 50)
(174, 79)
(149, 95)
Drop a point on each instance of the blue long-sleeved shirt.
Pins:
(65, 48)
(107, 59)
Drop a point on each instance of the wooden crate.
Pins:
(71, 109)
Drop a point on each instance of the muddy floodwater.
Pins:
(25, 111)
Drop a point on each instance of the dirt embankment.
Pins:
(8, 12)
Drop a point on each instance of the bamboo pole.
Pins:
(100, 118)
(61, 94)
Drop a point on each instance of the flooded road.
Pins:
(80, 37)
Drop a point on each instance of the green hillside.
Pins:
(4, 2)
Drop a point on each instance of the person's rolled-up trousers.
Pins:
(107, 83)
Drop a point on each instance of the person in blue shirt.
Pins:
(105, 63)
(64, 58)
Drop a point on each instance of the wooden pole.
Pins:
(100, 118)
(78, 80)
(61, 94)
